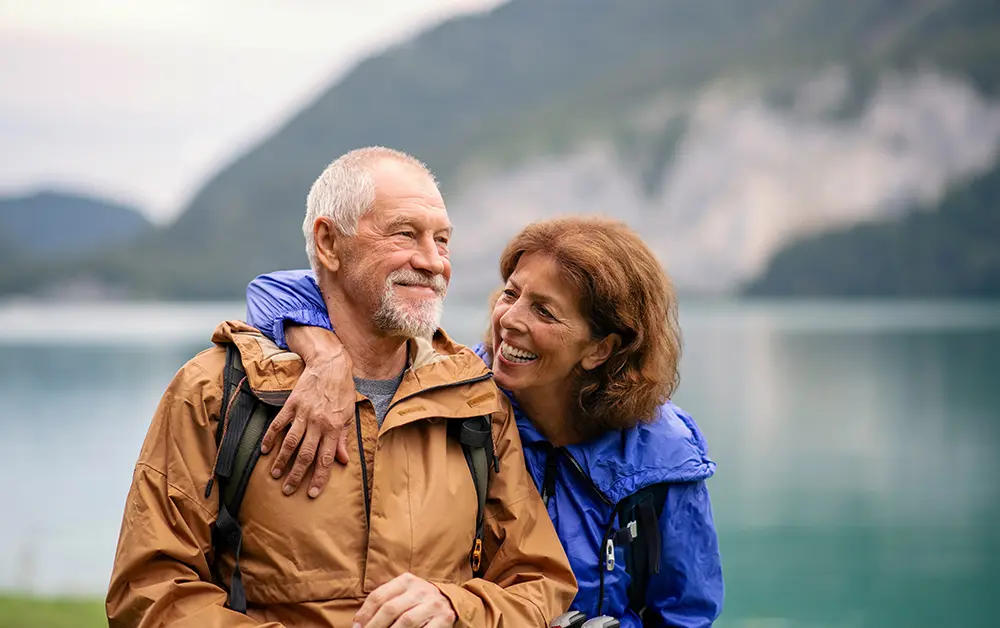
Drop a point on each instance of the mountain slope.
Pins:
(662, 112)
(59, 226)
(952, 250)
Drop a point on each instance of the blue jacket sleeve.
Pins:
(285, 296)
(688, 591)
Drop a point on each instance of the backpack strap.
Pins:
(242, 425)
(645, 549)
(476, 438)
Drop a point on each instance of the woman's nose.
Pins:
(513, 318)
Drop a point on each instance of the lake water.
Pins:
(857, 447)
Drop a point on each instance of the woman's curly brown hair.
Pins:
(622, 289)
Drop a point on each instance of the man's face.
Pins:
(397, 266)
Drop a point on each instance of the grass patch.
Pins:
(24, 611)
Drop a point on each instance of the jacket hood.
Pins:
(671, 448)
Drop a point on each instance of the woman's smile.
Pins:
(515, 355)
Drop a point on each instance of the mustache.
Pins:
(409, 277)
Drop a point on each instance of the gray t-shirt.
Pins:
(379, 392)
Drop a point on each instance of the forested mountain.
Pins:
(722, 130)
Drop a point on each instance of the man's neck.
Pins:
(374, 354)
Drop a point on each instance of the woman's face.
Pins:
(540, 336)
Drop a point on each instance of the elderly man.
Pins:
(388, 541)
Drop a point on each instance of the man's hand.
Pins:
(406, 601)
(320, 405)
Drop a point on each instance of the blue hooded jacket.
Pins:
(591, 478)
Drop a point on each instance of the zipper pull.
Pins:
(476, 559)
(549, 481)
(609, 555)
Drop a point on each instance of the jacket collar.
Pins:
(669, 449)
(444, 380)
(434, 365)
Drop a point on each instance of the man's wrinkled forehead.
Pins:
(394, 178)
(405, 194)
(391, 220)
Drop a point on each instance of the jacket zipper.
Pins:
(364, 469)
(606, 558)
(549, 479)
(361, 447)
(603, 558)
(583, 474)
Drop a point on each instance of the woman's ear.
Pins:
(600, 352)
(326, 238)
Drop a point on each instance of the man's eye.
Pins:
(406, 234)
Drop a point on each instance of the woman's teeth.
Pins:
(514, 354)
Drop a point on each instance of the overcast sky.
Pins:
(141, 100)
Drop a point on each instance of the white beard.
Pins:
(408, 318)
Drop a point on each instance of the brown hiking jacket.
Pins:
(312, 562)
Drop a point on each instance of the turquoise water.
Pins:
(857, 447)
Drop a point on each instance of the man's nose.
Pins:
(427, 257)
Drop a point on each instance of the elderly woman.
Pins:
(584, 340)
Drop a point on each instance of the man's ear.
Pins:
(600, 351)
(327, 239)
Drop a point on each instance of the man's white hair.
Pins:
(346, 190)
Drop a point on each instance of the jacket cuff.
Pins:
(467, 605)
(307, 317)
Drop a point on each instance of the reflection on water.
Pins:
(857, 481)
(857, 449)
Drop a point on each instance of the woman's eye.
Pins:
(543, 312)
(509, 294)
